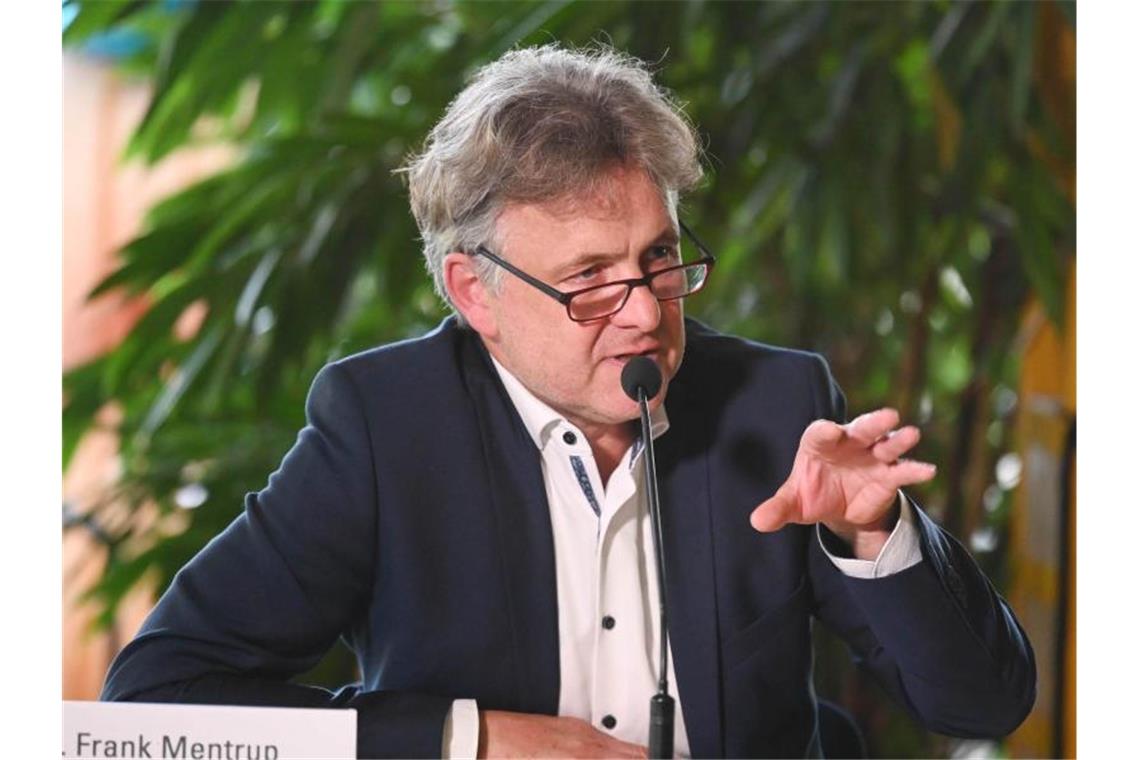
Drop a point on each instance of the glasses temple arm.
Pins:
(696, 240)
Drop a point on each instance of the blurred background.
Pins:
(890, 184)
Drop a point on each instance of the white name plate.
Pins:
(206, 732)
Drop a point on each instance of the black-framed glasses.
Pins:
(601, 301)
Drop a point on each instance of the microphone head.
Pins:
(641, 372)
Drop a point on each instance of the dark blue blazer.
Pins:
(410, 518)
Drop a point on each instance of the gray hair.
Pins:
(540, 125)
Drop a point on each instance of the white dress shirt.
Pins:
(608, 621)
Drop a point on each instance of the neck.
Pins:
(609, 444)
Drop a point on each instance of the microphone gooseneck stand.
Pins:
(641, 381)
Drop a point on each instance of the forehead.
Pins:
(623, 211)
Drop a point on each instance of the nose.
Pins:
(642, 310)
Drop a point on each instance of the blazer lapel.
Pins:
(690, 574)
(526, 543)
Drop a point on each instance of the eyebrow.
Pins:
(584, 260)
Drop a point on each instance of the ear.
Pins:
(469, 294)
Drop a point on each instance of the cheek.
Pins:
(581, 347)
(673, 321)
(563, 354)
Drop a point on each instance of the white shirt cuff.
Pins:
(461, 730)
(901, 550)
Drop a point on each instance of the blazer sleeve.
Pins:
(937, 636)
(266, 598)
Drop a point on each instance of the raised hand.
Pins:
(847, 477)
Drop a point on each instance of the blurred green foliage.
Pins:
(889, 184)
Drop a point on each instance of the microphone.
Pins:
(641, 381)
(640, 372)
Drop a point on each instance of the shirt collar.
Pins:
(540, 420)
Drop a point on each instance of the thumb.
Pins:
(776, 512)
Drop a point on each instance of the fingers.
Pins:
(876, 431)
(907, 472)
(822, 434)
(896, 443)
(870, 427)
(776, 512)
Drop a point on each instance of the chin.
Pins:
(615, 410)
(632, 411)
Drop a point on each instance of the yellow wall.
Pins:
(1046, 418)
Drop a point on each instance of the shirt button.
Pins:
(608, 622)
(609, 722)
(570, 438)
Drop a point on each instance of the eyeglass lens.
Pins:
(608, 299)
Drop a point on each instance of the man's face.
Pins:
(575, 367)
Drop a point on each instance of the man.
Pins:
(468, 509)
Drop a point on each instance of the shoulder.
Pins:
(722, 368)
(708, 351)
(407, 362)
(398, 379)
